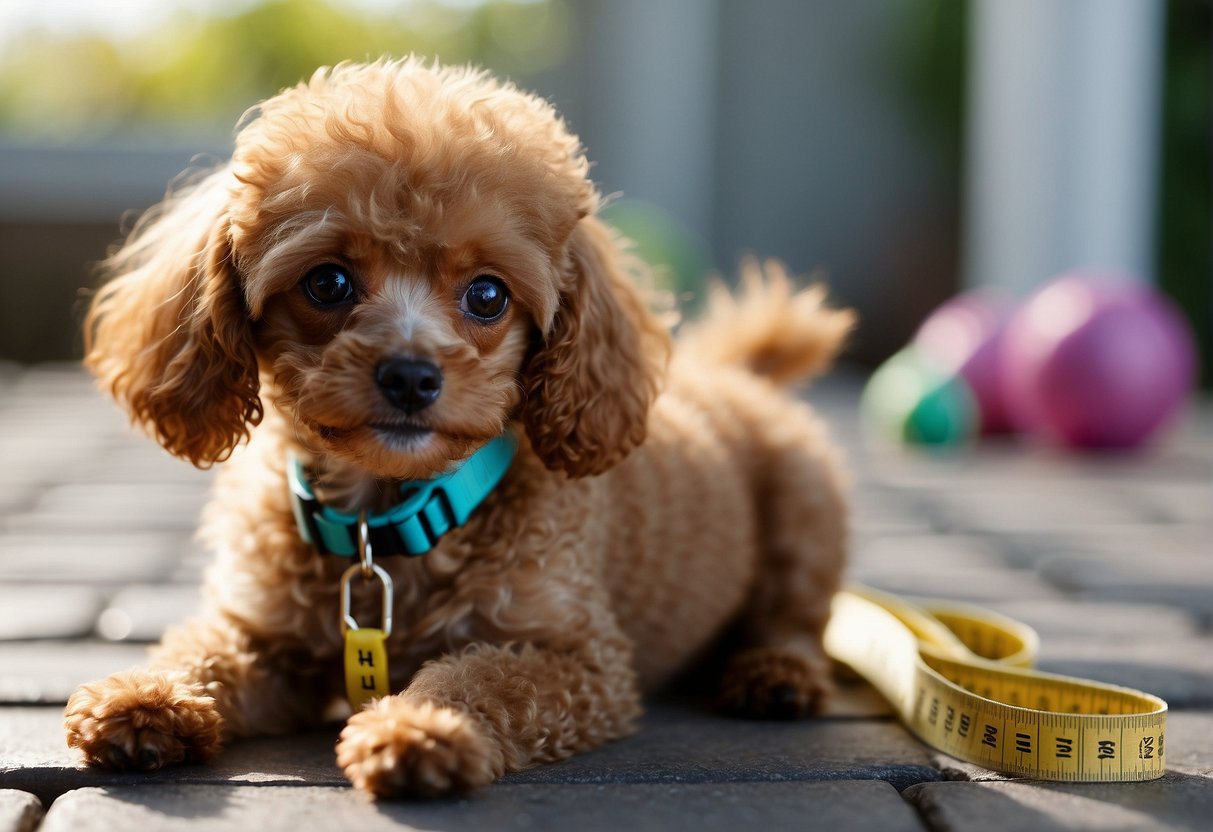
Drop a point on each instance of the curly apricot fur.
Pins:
(658, 498)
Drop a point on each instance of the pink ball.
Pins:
(964, 336)
(1096, 362)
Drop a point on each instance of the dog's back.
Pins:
(734, 503)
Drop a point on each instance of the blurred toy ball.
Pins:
(912, 399)
(964, 337)
(1095, 363)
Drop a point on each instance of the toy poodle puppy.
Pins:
(396, 318)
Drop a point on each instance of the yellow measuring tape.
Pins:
(960, 679)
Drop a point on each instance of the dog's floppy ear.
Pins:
(168, 335)
(590, 385)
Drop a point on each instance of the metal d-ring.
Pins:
(366, 568)
(366, 557)
(347, 618)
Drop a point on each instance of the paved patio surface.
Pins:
(1109, 558)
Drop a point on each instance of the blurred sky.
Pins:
(121, 19)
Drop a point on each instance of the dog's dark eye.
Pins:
(328, 285)
(486, 298)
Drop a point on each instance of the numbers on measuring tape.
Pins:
(1001, 715)
(1023, 742)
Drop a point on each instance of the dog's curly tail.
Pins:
(781, 332)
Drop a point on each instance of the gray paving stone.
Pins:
(994, 466)
(705, 808)
(1038, 506)
(138, 460)
(684, 746)
(1190, 742)
(973, 584)
(141, 613)
(83, 558)
(875, 555)
(19, 811)
(108, 507)
(45, 611)
(1145, 580)
(1171, 545)
(1073, 618)
(1175, 802)
(46, 672)
(16, 497)
(880, 512)
(1180, 671)
(1148, 545)
(1176, 502)
(47, 456)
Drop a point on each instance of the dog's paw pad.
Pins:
(398, 748)
(771, 683)
(142, 721)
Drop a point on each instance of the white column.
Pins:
(1063, 138)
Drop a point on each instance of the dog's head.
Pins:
(403, 259)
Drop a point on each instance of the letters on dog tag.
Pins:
(366, 674)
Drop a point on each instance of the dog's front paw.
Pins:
(775, 683)
(398, 748)
(141, 720)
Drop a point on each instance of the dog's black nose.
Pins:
(409, 384)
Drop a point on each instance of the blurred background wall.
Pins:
(838, 137)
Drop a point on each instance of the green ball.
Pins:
(910, 399)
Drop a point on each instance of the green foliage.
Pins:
(927, 51)
(1186, 204)
(194, 76)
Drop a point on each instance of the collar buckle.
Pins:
(428, 508)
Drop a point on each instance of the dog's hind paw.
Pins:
(141, 721)
(775, 683)
(398, 748)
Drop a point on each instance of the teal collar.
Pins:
(427, 510)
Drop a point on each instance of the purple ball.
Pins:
(964, 336)
(1096, 362)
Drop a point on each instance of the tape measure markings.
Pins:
(959, 678)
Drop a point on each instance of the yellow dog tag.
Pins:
(366, 674)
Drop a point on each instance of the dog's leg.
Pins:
(207, 681)
(467, 718)
(782, 671)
